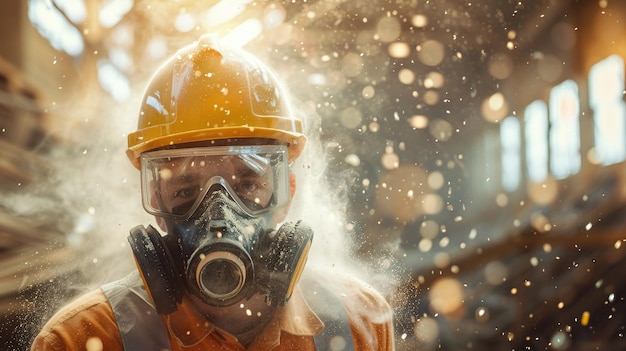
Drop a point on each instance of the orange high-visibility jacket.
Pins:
(89, 323)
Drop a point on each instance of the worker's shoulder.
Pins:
(92, 303)
(88, 312)
(358, 297)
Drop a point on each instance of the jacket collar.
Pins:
(188, 327)
(296, 318)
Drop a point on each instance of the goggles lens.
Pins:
(174, 182)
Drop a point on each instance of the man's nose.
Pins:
(215, 212)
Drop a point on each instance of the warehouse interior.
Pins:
(478, 147)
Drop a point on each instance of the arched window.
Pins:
(55, 27)
(564, 130)
(536, 138)
(511, 156)
(606, 86)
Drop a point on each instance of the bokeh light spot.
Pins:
(431, 53)
(351, 117)
(399, 50)
(388, 29)
(397, 193)
(406, 76)
(494, 108)
(446, 296)
(418, 121)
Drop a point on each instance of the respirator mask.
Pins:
(218, 204)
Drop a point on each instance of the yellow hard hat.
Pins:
(204, 93)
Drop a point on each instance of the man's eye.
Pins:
(186, 193)
(248, 187)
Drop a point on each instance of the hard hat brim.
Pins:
(295, 141)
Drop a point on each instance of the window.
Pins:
(564, 130)
(511, 156)
(606, 86)
(51, 24)
(536, 137)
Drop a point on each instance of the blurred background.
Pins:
(480, 146)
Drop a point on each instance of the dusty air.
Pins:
(312, 175)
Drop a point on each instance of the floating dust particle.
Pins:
(584, 319)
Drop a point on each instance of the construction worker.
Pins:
(214, 145)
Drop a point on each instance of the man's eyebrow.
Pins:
(247, 172)
(184, 178)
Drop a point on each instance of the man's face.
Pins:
(181, 181)
(175, 182)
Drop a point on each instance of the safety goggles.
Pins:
(175, 182)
